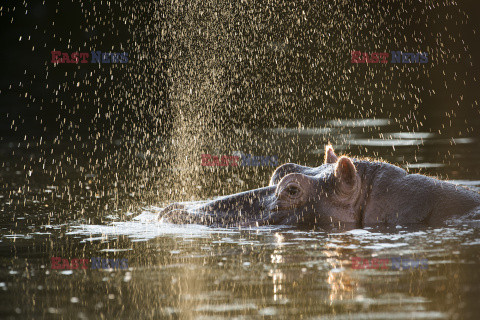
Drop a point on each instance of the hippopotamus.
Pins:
(342, 192)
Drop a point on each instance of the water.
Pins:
(214, 273)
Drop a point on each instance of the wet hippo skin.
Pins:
(342, 192)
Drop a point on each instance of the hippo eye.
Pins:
(292, 191)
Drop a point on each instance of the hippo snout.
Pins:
(185, 213)
(172, 210)
(231, 210)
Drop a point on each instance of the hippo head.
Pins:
(296, 195)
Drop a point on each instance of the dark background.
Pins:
(71, 100)
(280, 83)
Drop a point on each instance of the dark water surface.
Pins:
(198, 272)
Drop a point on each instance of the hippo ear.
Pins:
(330, 156)
(345, 173)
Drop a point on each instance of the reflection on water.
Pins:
(196, 271)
